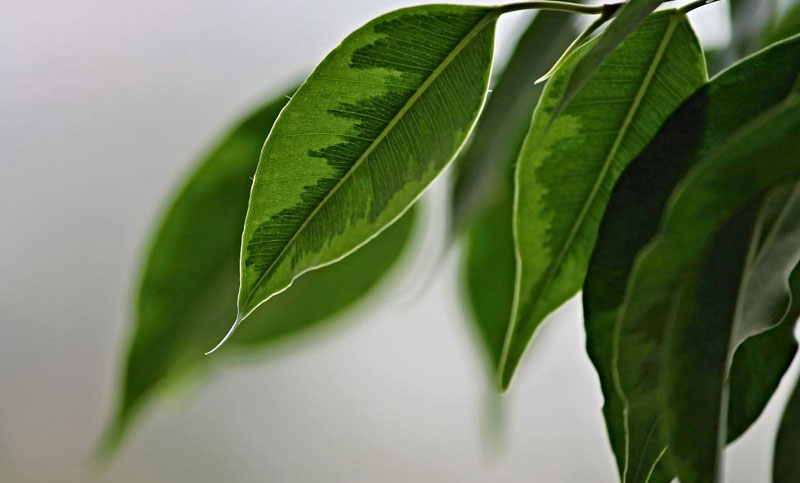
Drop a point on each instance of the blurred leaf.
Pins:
(632, 216)
(501, 129)
(190, 275)
(786, 25)
(482, 195)
(722, 183)
(566, 168)
(366, 133)
(749, 20)
(626, 20)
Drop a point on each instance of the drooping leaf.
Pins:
(566, 168)
(722, 182)
(361, 139)
(639, 198)
(483, 191)
(626, 20)
(190, 275)
(498, 134)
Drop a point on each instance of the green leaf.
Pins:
(749, 19)
(483, 191)
(721, 184)
(758, 367)
(626, 20)
(567, 168)
(786, 464)
(366, 133)
(632, 217)
(495, 143)
(785, 25)
(181, 302)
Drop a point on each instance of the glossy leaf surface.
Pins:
(637, 202)
(181, 302)
(483, 192)
(372, 126)
(566, 169)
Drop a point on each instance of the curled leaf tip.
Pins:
(228, 335)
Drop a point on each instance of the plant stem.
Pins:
(606, 10)
(691, 6)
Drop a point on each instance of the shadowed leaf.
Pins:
(632, 217)
(567, 168)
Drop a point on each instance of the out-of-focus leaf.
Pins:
(749, 19)
(626, 20)
(366, 133)
(484, 182)
(785, 26)
(190, 275)
(632, 217)
(566, 168)
(498, 134)
(721, 184)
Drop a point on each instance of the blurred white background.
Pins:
(103, 105)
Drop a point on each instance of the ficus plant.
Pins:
(605, 161)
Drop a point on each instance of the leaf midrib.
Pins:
(674, 20)
(479, 26)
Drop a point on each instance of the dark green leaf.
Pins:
(785, 26)
(566, 168)
(632, 217)
(627, 19)
(484, 181)
(721, 184)
(190, 275)
(786, 463)
(372, 126)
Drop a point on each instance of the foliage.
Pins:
(670, 200)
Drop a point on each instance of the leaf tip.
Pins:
(236, 323)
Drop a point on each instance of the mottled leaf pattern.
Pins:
(483, 191)
(371, 127)
(567, 168)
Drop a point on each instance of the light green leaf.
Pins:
(632, 218)
(372, 126)
(567, 168)
(483, 191)
(626, 20)
(189, 277)
(720, 185)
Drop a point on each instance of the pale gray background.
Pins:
(103, 104)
